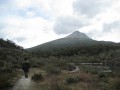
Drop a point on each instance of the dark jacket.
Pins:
(25, 66)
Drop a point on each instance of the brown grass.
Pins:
(89, 81)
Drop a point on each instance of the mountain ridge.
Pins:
(78, 35)
(76, 39)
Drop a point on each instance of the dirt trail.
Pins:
(26, 83)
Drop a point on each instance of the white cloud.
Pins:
(90, 8)
(68, 24)
(30, 14)
(113, 35)
(32, 22)
(54, 7)
(23, 3)
(35, 30)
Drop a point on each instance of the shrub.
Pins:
(101, 75)
(36, 62)
(55, 85)
(59, 87)
(71, 80)
(4, 82)
(37, 77)
(6, 70)
(53, 70)
(115, 85)
(1, 63)
(71, 67)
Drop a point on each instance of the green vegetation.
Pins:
(9, 44)
(4, 82)
(58, 87)
(11, 56)
(90, 77)
(71, 80)
(53, 70)
(101, 75)
(56, 66)
(115, 85)
(37, 77)
(98, 63)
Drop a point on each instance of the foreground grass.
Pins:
(79, 80)
(67, 80)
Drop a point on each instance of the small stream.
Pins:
(76, 69)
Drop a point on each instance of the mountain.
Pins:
(78, 35)
(76, 39)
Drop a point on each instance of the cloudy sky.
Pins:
(32, 22)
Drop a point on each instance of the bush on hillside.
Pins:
(53, 70)
(71, 80)
(37, 77)
(115, 85)
(59, 87)
(4, 82)
(101, 75)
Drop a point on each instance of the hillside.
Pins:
(81, 45)
(98, 63)
(9, 44)
(11, 56)
(76, 39)
(54, 66)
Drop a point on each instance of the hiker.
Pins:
(26, 67)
